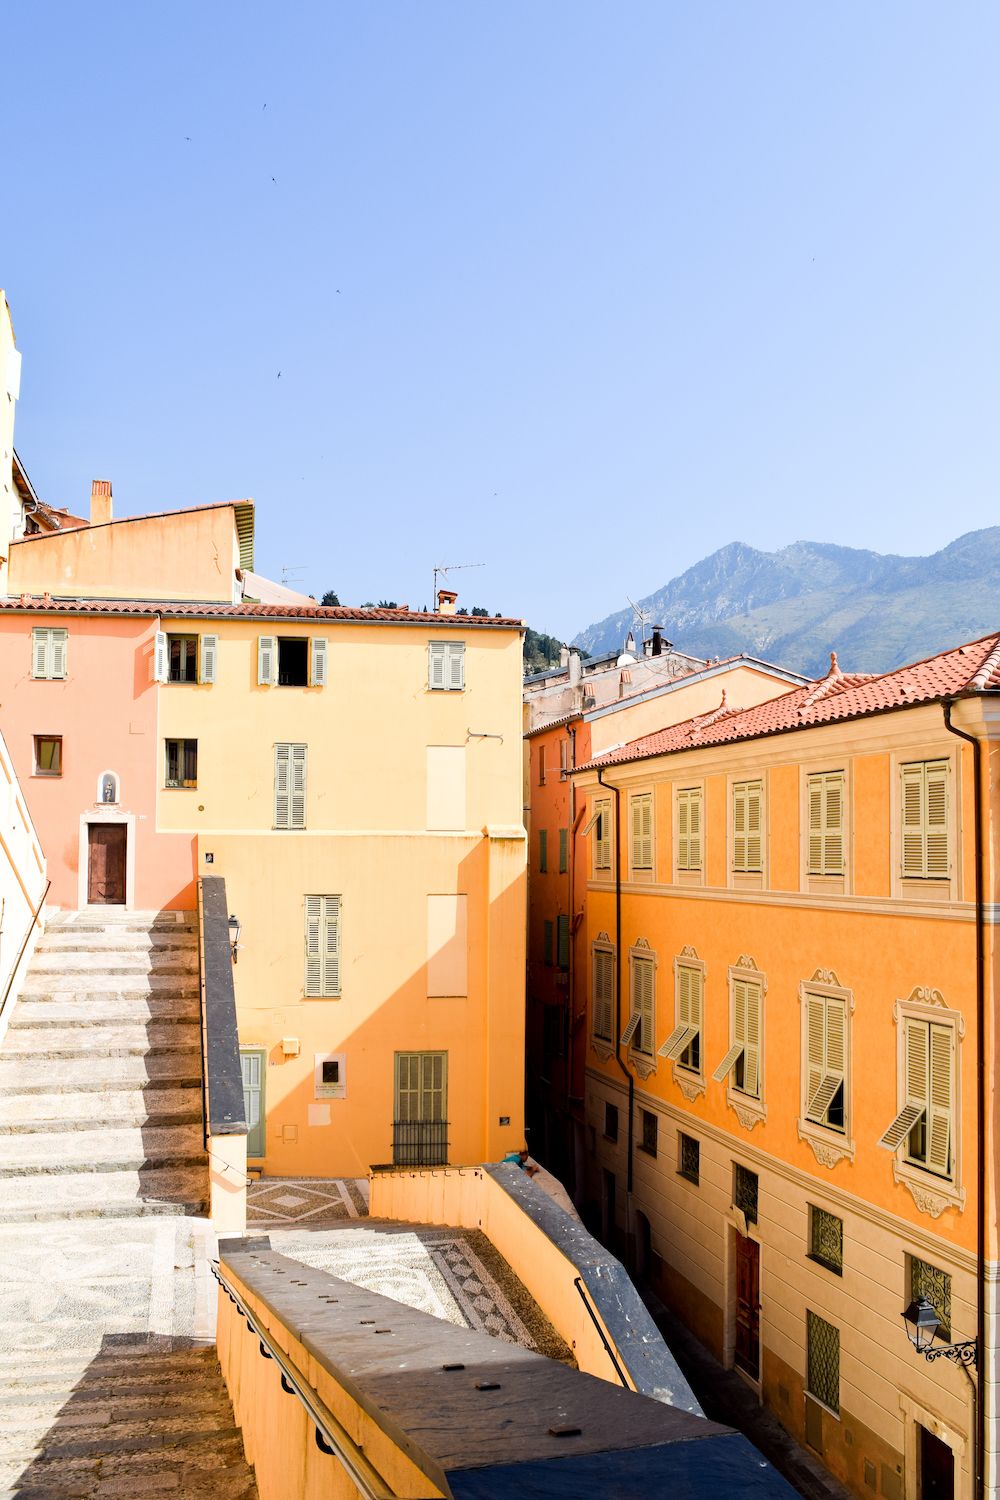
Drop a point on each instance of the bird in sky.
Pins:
(279, 374)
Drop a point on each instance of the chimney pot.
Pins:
(446, 602)
(100, 502)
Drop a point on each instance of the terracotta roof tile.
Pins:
(174, 609)
(974, 667)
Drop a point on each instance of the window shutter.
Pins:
(684, 830)
(209, 651)
(751, 1052)
(642, 1004)
(161, 664)
(728, 1062)
(826, 1045)
(298, 787)
(282, 779)
(436, 665)
(331, 945)
(57, 660)
(603, 987)
(754, 828)
(694, 828)
(563, 850)
(314, 959)
(39, 653)
(456, 666)
(939, 1100)
(602, 837)
(936, 776)
(913, 820)
(562, 941)
(267, 660)
(317, 661)
(739, 827)
(833, 825)
(642, 832)
(688, 1015)
(815, 831)
(815, 1048)
(543, 851)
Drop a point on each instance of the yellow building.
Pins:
(785, 956)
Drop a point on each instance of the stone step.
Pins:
(109, 961)
(127, 1358)
(49, 1043)
(103, 917)
(199, 1393)
(85, 1190)
(75, 1110)
(116, 940)
(58, 1010)
(110, 987)
(102, 1150)
(23, 1075)
(234, 1481)
(76, 1456)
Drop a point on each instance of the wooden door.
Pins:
(747, 1350)
(252, 1064)
(106, 864)
(937, 1467)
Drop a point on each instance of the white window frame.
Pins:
(693, 793)
(746, 879)
(690, 1081)
(828, 1144)
(446, 666)
(636, 801)
(604, 1046)
(748, 1108)
(50, 649)
(931, 1191)
(644, 1059)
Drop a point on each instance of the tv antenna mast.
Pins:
(290, 572)
(442, 570)
(640, 618)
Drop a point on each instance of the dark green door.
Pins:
(253, 1062)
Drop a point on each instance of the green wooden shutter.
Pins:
(563, 850)
(317, 661)
(433, 1086)
(282, 785)
(267, 660)
(252, 1069)
(209, 652)
(298, 787)
(562, 942)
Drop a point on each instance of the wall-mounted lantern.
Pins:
(922, 1323)
(235, 928)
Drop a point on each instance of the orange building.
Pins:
(785, 959)
(555, 744)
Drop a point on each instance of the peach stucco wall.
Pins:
(106, 711)
(186, 555)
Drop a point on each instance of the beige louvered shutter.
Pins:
(603, 837)
(917, 1062)
(434, 1086)
(39, 653)
(739, 827)
(642, 1003)
(436, 664)
(833, 825)
(57, 659)
(815, 835)
(209, 651)
(603, 985)
(330, 945)
(282, 785)
(684, 830)
(267, 660)
(314, 957)
(751, 1045)
(936, 783)
(407, 1086)
(815, 1048)
(685, 986)
(642, 832)
(694, 828)
(298, 787)
(912, 814)
(456, 666)
(161, 661)
(317, 661)
(939, 1100)
(754, 827)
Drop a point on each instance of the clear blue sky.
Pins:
(579, 291)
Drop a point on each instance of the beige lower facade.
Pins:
(899, 1416)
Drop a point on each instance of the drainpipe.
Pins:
(571, 972)
(980, 1464)
(618, 982)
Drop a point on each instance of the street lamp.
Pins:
(922, 1323)
(235, 927)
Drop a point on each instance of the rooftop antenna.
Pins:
(442, 570)
(640, 618)
(287, 572)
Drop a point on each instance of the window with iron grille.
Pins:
(650, 1125)
(823, 1361)
(420, 1126)
(927, 1281)
(562, 942)
(689, 1157)
(826, 1239)
(745, 1192)
(611, 1122)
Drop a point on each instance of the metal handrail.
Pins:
(331, 1436)
(27, 935)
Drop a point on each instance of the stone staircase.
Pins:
(100, 1073)
(137, 1419)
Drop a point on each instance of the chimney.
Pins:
(100, 502)
(446, 602)
(564, 657)
(657, 641)
(575, 665)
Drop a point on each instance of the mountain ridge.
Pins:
(797, 604)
